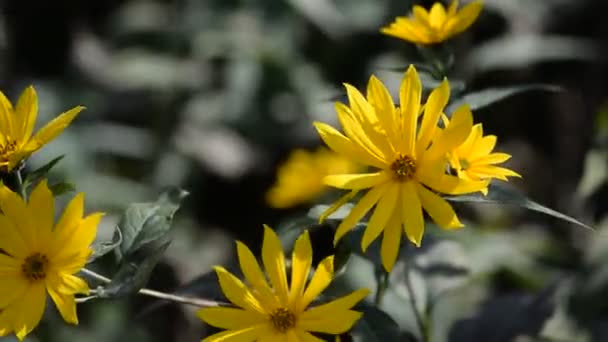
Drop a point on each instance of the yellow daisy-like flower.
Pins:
(411, 161)
(300, 178)
(17, 125)
(434, 26)
(279, 311)
(37, 257)
(474, 160)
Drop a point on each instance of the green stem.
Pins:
(424, 333)
(382, 279)
(198, 302)
(19, 188)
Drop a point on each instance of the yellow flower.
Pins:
(410, 161)
(37, 258)
(474, 160)
(17, 125)
(434, 26)
(300, 178)
(279, 310)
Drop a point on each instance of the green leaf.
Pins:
(135, 270)
(486, 97)
(61, 188)
(375, 326)
(339, 214)
(41, 172)
(500, 193)
(104, 247)
(143, 223)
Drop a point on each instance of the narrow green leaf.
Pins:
(501, 193)
(61, 188)
(41, 172)
(486, 97)
(375, 326)
(104, 247)
(143, 223)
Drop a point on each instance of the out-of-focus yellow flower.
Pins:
(434, 26)
(17, 125)
(39, 257)
(410, 161)
(474, 160)
(279, 310)
(300, 178)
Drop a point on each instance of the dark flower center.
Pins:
(404, 168)
(35, 266)
(283, 319)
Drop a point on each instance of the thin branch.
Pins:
(199, 302)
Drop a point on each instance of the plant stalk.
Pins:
(198, 302)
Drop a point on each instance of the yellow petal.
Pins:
(437, 15)
(237, 292)
(337, 205)
(455, 186)
(452, 136)
(453, 8)
(362, 133)
(469, 147)
(411, 213)
(254, 276)
(382, 213)
(12, 288)
(231, 318)
(53, 128)
(391, 241)
(336, 322)
(358, 181)
(304, 336)
(344, 146)
(249, 334)
(6, 116)
(11, 239)
(15, 209)
(406, 29)
(78, 243)
(26, 113)
(9, 266)
(42, 203)
(70, 284)
(65, 304)
(380, 98)
(301, 261)
(432, 110)
(26, 314)
(410, 93)
(493, 158)
(335, 308)
(71, 216)
(438, 209)
(464, 18)
(319, 282)
(274, 263)
(359, 210)
(421, 14)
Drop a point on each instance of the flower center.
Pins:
(404, 168)
(7, 148)
(283, 319)
(35, 266)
